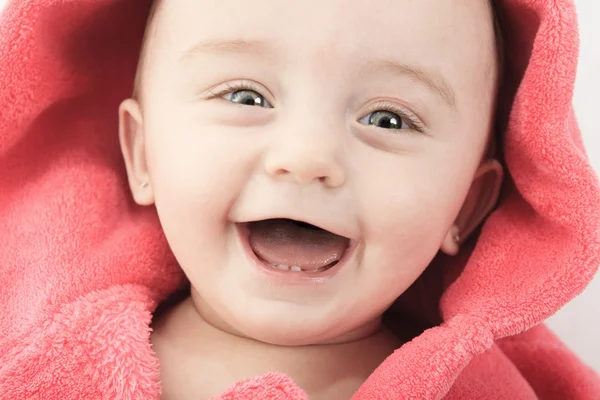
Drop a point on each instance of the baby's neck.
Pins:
(200, 361)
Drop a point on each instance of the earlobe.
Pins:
(451, 243)
(481, 199)
(131, 138)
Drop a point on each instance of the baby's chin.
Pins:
(296, 330)
(286, 323)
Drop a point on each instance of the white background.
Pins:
(578, 324)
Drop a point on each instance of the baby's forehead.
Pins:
(441, 18)
(331, 32)
(395, 25)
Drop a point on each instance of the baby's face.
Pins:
(368, 119)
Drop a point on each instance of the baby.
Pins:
(307, 160)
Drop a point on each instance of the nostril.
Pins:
(282, 171)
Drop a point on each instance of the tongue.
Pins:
(284, 242)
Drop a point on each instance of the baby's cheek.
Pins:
(199, 166)
(194, 182)
(404, 228)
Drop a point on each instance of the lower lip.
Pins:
(291, 277)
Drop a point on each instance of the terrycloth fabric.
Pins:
(82, 268)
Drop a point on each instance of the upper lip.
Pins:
(329, 226)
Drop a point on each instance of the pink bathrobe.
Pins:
(82, 268)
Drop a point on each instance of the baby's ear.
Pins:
(481, 199)
(131, 137)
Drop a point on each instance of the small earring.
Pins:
(144, 185)
(456, 237)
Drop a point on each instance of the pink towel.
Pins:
(83, 269)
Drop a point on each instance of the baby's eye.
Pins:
(247, 97)
(385, 120)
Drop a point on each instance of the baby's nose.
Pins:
(305, 160)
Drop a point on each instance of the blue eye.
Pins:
(385, 120)
(247, 97)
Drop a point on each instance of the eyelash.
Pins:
(244, 85)
(411, 120)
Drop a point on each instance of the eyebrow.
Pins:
(432, 79)
(235, 46)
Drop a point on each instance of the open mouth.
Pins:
(295, 246)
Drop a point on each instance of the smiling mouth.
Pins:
(295, 246)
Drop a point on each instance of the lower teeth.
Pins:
(295, 268)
